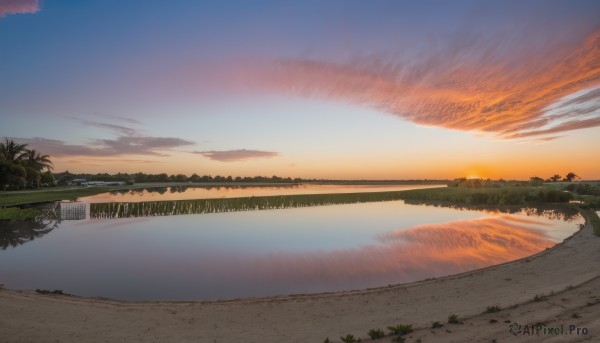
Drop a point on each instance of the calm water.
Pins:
(188, 192)
(272, 252)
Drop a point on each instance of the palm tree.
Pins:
(571, 177)
(11, 151)
(33, 159)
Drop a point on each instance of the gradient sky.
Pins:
(318, 89)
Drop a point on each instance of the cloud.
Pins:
(18, 7)
(142, 145)
(236, 155)
(112, 127)
(493, 86)
(119, 118)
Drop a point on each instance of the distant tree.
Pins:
(555, 178)
(571, 177)
(536, 181)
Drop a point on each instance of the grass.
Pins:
(594, 220)
(436, 325)
(400, 329)
(15, 198)
(348, 339)
(539, 297)
(376, 333)
(45, 291)
(17, 214)
(453, 319)
(492, 309)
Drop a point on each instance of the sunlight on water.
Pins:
(273, 252)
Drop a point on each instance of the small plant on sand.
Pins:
(327, 340)
(45, 291)
(492, 309)
(436, 325)
(400, 329)
(376, 333)
(399, 339)
(539, 297)
(348, 339)
(492, 321)
(453, 319)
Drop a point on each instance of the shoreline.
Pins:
(563, 269)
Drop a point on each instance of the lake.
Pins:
(272, 252)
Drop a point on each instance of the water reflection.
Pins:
(260, 253)
(235, 191)
(16, 233)
(551, 211)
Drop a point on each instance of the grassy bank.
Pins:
(594, 220)
(488, 196)
(47, 194)
(17, 214)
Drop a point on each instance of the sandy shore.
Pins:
(568, 273)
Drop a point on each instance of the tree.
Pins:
(555, 178)
(536, 181)
(12, 151)
(571, 177)
(33, 159)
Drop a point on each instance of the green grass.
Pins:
(594, 220)
(17, 214)
(400, 329)
(492, 309)
(453, 319)
(376, 333)
(47, 194)
(488, 196)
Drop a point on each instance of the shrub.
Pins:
(400, 329)
(348, 339)
(453, 319)
(436, 325)
(376, 333)
(540, 297)
(492, 309)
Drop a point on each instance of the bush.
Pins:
(492, 309)
(539, 297)
(376, 333)
(348, 339)
(400, 329)
(436, 325)
(453, 319)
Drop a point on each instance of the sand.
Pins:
(568, 273)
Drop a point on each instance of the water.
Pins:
(209, 192)
(271, 252)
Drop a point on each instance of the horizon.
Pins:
(330, 91)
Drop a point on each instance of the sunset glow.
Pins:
(336, 90)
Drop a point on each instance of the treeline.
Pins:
(22, 168)
(66, 177)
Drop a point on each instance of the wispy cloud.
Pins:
(236, 155)
(112, 127)
(118, 118)
(468, 84)
(143, 145)
(18, 7)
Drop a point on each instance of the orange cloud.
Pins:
(474, 86)
(18, 7)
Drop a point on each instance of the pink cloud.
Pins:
(464, 85)
(18, 7)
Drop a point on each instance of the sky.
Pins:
(312, 89)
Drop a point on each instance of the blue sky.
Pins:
(337, 89)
